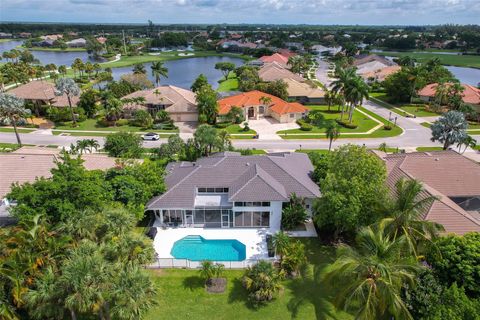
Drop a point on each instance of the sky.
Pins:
(346, 12)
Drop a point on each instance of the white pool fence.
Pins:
(168, 263)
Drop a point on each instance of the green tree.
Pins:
(355, 91)
(281, 241)
(124, 144)
(235, 115)
(143, 119)
(139, 69)
(207, 104)
(88, 102)
(332, 132)
(370, 276)
(68, 87)
(113, 109)
(205, 138)
(295, 213)
(449, 129)
(12, 108)
(159, 70)
(173, 149)
(262, 282)
(199, 83)
(225, 68)
(352, 191)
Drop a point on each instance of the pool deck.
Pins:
(253, 239)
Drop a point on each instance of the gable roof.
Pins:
(275, 71)
(270, 177)
(302, 89)
(379, 74)
(444, 174)
(470, 94)
(276, 57)
(176, 99)
(360, 60)
(42, 90)
(252, 98)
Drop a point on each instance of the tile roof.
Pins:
(276, 57)
(275, 71)
(249, 178)
(379, 74)
(176, 99)
(42, 90)
(444, 174)
(252, 98)
(360, 60)
(303, 89)
(470, 94)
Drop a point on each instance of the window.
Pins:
(202, 190)
(292, 115)
(212, 190)
(252, 219)
(238, 204)
(252, 204)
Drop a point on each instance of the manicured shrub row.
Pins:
(346, 124)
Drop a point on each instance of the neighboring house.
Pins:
(24, 34)
(304, 92)
(276, 57)
(4, 35)
(42, 93)
(27, 164)
(451, 177)
(286, 53)
(101, 40)
(372, 61)
(228, 190)
(77, 43)
(322, 50)
(470, 94)
(273, 71)
(44, 43)
(379, 74)
(53, 37)
(254, 108)
(179, 103)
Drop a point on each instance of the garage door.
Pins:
(183, 117)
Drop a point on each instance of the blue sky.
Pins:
(365, 12)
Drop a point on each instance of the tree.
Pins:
(68, 87)
(113, 108)
(235, 115)
(143, 118)
(370, 276)
(225, 67)
(294, 258)
(406, 216)
(449, 129)
(88, 102)
(294, 214)
(173, 149)
(332, 132)
(339, 86)
(139, 69)
(124, 144)
(262, 282)
(456, 259)
(207, 104)
(468, 142)
(205, 139)
(281, 240)
(158, 71)
(352, 191)
(13, 109)
(199, 83)
(355, 91)
(62, 70)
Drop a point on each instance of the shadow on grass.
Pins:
(193, 282)
(239, 293)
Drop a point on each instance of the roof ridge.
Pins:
(179, 182)
(245, 184)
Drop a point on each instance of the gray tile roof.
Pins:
(270, 177)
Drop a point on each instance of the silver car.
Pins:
(151, 136)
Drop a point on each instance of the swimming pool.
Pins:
(197, 248)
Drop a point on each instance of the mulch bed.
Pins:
(216, 285)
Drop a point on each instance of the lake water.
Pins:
(182, 73)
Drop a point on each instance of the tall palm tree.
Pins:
(407, 210)
(356, 90)
(13, 109)
(92, 145)
(370, 276)
(68, 87)
(114, 108)
(139, 69)
(158, 71)
(333, 132)
(339, 86)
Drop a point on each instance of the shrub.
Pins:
(122, 122)
(164, 126)
(222, 125)
(306, 127)
(143, 119)
(262, 282)
(162, 116)
(346, 124)
(202, 118)
(387, 127)
(294, 213)
(246, 127)
(124, 144)
(59, 114)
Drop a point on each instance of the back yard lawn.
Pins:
(181, 294)
(231, 84)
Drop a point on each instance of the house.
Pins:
(470, 94)
(42, 93)
(361, 60)
(77, 43)
(276, 57)
(379, 74)
(53, 37)
(447, 175)
(303, 92)
(24, 34)
(276, 71)
(179, 103)
(286, 53)
(227, 190)
(254, 107)
(323, 50)
(4, 35)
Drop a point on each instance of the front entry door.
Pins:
(251, 112)
(225, 220)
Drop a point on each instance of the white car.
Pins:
(151, 136)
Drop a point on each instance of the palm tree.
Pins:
(333, 132)
(281, 240)
(92, 145)
(82, 146)
(407, 210)
(63, 70)
(66, 86)
(449, 129)
(114, 108)
(356, 90)
(468, 142)
(139, 69)
(370, 276)
(13, 109)
(261, 281)
(159, 70)
(330, 98)
(339, 86)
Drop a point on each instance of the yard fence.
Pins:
(169, 263)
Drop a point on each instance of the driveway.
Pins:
(186, 127)
(267, 128)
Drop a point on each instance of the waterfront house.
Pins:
(304, 92)
(42, 93)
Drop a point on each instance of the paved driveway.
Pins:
(267, 128)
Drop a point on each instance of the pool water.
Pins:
(197, 248)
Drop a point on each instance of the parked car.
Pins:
(151, 136)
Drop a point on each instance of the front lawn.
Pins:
(364, 123)
(92, 125)
(20, 130)
(419, 110)
(181, 294)
(238, 129)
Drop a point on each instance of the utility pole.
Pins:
(124, 44)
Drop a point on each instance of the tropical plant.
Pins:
(113, 109)
(262, 282)
(124, 144)
(294, 258)
(205, 139)
(356, 90)
(406, 217)
(68, 87)
(207, 104)
(449, 129)
(294, 213)
(370, 276)
(199, 82)
(143, 118)
(332, 132)
(235, 115)
(158, 71)
(139, 69)
(210, 270)
(225, 67)
(281, 240)
(340, 85)
(468, 142)
(12, 108)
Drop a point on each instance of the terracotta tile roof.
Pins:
(176, 99)
(444, 174)
(276, 57)
(287, 53)
(252, 98)
(42, 90)
(275, 71)
(379, 74)
(470, 94)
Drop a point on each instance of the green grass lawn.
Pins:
(55, 49)
(364, 123)
(231, 84)
(181, 294)
(426, 149)
(91, 125)
(308, 151)
(237, 129)
(20, 130)
(8, 147)
(420, 110)
(445, 59)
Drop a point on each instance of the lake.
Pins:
(183, 72)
